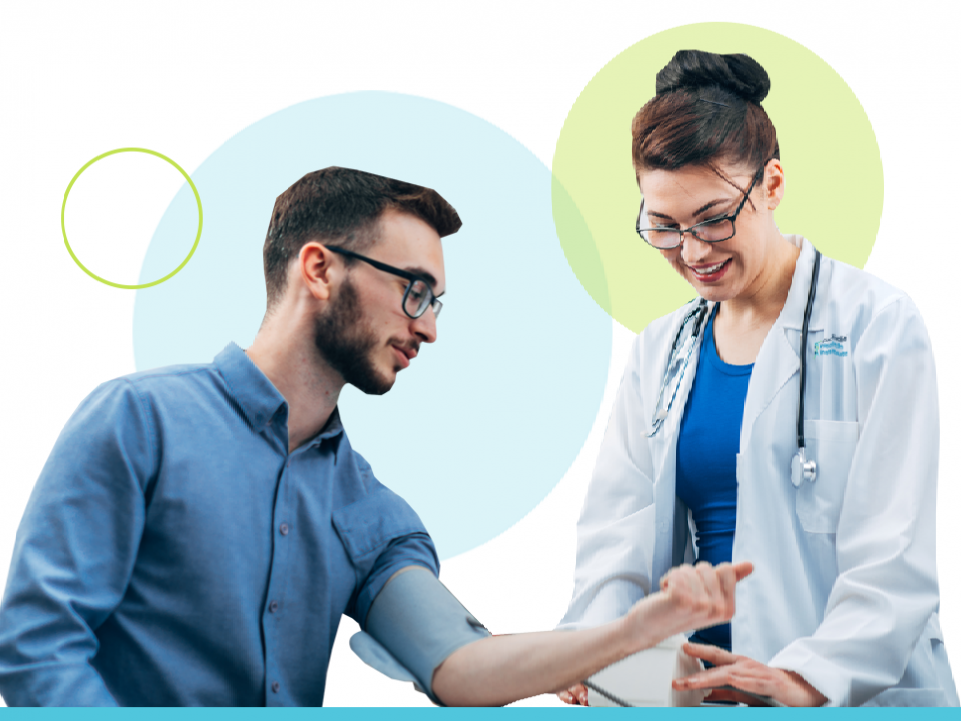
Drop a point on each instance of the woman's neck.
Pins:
(762, 302)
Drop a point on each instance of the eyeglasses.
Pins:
(710, 231)
(417, 297)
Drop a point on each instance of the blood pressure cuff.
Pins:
(413, 625)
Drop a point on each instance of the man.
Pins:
(198, 530)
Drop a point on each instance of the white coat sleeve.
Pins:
(887, 587)
(615, 532)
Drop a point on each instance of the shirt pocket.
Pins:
(831, 444)
(368, 526)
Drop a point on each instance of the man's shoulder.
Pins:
(370, 489)
(161, 382)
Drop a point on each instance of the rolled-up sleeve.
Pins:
(75, 550)
(381, 534)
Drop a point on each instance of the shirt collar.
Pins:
(333, 428)
(257, 397)
(255, 394)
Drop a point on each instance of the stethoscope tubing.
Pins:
(804, 345)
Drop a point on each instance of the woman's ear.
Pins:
(773, 185)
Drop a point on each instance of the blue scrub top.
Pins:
(707, 448)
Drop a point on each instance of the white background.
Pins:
(77, 79)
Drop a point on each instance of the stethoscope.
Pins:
(680, 356)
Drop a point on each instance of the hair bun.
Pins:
(739, 74)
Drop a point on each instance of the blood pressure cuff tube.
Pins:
(413, 625)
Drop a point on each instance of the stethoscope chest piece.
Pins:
(802, 469)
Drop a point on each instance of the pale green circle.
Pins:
(200, 218)
(834, 184)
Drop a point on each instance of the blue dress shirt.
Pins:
(174, 553)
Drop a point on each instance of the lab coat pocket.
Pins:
(831, 445)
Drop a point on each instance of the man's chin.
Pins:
(375, 385)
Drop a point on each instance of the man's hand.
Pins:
(746, 674)
(691, 597)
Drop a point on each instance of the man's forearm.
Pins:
(498, 670)
(502, 669)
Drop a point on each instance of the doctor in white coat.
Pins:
(842, 608)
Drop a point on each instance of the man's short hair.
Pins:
(343, 206)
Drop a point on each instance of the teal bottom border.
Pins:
(473, 714)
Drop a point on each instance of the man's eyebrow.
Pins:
(422, 273)
(697, 212)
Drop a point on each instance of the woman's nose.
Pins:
(693, 250)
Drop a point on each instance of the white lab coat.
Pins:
(845, 589)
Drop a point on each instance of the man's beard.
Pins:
(346, 344)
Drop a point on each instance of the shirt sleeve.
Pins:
(381, 534)
(887, 586)
(615, 532)
(74, 552)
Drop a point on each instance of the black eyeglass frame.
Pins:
(692, 230)
(434, 301)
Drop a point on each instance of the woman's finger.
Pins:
(711, 678)
(712, 654)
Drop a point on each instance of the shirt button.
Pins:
(275, 686)
(273, 606)
(284, 529)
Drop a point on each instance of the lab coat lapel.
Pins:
(777, 360)
(666, 465)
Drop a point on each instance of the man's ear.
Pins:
(315, 268)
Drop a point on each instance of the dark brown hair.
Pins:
(707, 110)
(343, 206)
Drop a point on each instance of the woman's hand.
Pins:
(746, 674)
(576, 695)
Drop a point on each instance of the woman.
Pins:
(842, 608)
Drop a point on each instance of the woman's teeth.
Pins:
(712, 269)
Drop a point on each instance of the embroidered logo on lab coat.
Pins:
(831, 346)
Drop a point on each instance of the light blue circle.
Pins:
(507, 394)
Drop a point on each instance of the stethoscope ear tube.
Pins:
(677, 361)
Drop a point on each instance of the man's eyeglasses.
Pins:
(710, 231)
(418, 296)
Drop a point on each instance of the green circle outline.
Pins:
(200, 219)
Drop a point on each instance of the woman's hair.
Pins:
(706, 111)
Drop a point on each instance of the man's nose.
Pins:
(426, 326)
